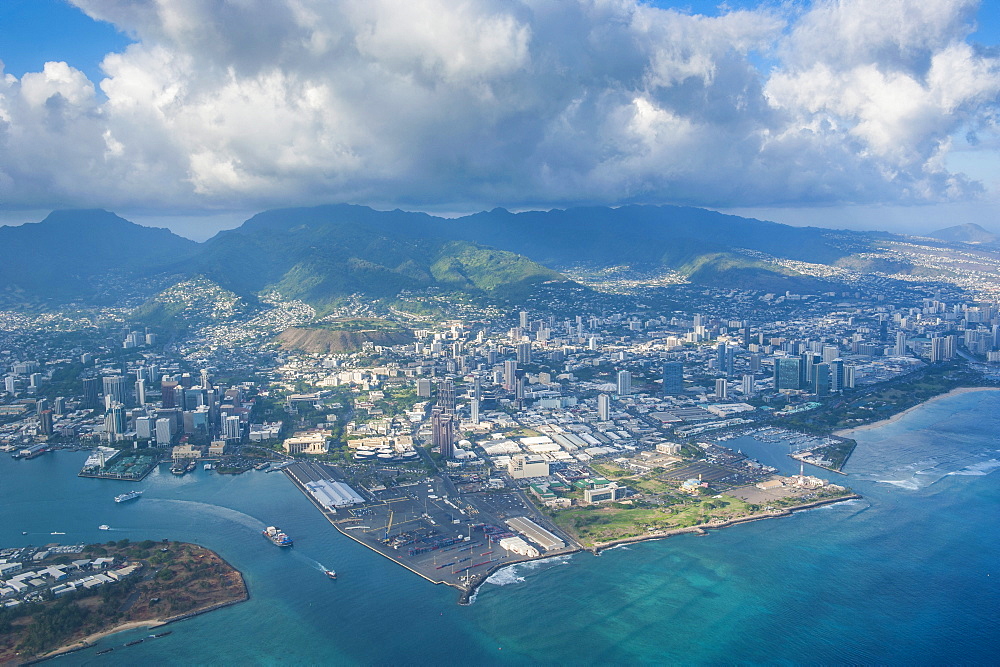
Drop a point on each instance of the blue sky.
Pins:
(33, 32)
(851, 113)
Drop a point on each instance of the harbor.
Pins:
(456, 540)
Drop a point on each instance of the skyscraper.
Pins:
(624, 383)
(821, 379)
(443, 432)
(91, 392)
(114, 389)
(673, 378)
(424, 387)
(474, 408)
(747, 386)
(787, 373)
(509, 374)
(837, 375)
(524, 353)
(231, 429)
(446, 396)
(721, 389)
(603, 407)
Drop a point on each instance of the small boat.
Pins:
(332, 574)
(56, 532)
(24, 532)
(104, 526)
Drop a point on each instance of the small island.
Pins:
(80, 594)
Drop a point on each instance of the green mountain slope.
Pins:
(320, 255)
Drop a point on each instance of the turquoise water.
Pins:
(909, 574)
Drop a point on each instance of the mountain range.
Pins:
(322, 254)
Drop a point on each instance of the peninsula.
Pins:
(76, 595)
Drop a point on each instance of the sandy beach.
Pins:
(849, 432)
(89, 640)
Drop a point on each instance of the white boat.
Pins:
(104, 526)
(125, 497)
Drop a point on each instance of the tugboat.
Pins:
(278, 538)
(330, 573)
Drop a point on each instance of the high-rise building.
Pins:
(837, 375)
(45, 422)
(673, 378)
(145, 427)
(900, 349)
(787, 373)
(809, 360)
(722, 358)
(747, 386)
(165, 429)
(830, 352)
(524, 353)
(474, 408)
(231, 429)
(509, 374)
(721, 389)
(59, 405)
(821, 379)
(168, 395)
(746, 333)
(937, 349)
(523, 319)
(114, 390)
(443, 432)
(140, 391)
(91, 393)
(114, 421)
(603, 407)
(624, 383)
(477, 387)
(424, 387)
(446, 396)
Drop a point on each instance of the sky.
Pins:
(194, 114)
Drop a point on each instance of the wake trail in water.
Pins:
(217, 510)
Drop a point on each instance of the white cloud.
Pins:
(256, 103)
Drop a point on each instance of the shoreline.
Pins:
(702, 529)
(849, 432)
(90, 641)
(661, 535)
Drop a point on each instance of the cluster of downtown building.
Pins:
(147, 402)
(487, 377)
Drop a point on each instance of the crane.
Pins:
(388, 525)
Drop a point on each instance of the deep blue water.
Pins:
(910, 574)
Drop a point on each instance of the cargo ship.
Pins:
(277, 537)
(125, 497)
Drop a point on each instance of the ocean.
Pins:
(909, 574)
